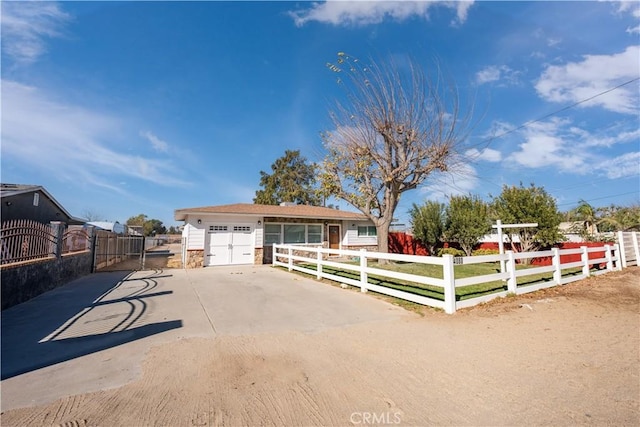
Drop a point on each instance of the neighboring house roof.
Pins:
(114, 227)
(8, 190)
(287, 211)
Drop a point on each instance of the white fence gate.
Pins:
(629, 247)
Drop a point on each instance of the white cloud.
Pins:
(156, 143)
(488, 154)
(629, 6)
(373, 12)
(493, 73)
(26, 24)
(72, 142)
(576, 81)
(588, 140)
(545, 146)
(551, 42)
(462, 180)
(623, 166)
(560, 145)
(633, 30)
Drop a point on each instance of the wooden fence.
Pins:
(311, 260)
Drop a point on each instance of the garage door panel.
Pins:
(230, 244)
(242, 243)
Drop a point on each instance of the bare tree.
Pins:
(91, 215)
(397, 129)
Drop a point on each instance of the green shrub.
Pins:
(451, 251)
(479, 252)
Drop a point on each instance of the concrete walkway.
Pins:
(93, 333)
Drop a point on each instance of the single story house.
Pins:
(33, 202)
(243, 233)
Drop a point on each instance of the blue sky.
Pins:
(123, 108)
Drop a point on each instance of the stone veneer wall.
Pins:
(25, 280)
(195, 259)
(258, 256)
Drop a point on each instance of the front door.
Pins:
(334, 237)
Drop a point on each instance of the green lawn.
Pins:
(435, 271)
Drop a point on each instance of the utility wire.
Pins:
(575, 104)
(600, 198)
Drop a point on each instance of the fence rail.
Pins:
(26, 240)
(76, 239)
(300, 258)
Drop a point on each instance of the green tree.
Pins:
(399, 127)
(627, 218)
(428, 223)
(292, 180)
(467, 221)
(149, 226)
(519, 205)
(618, 218)
(153, 227)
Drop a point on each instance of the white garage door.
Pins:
(230, 244)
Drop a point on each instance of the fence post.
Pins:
(585, 261)
(319, 264)
(557, 267)
(512, 283)
(289, 252)
(636, 246)
(57, 231)
(364, 277)
(273, 254)
(89, 244)
(617, 254)
(622, 254)
(607, 254)
(449, 284)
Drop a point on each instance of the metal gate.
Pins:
(113, 252)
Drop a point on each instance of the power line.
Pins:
(600, 198)
(575, 104)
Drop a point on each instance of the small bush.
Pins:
(451, 251)
(479, 252)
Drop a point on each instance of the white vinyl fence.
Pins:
(629, 242)
(305, 259)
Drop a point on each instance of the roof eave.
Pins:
(181, 215)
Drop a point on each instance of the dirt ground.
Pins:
(563, 356)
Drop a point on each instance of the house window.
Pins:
(218, 228)
(245, 228)
(36, 199)
(367, 231)
(272, 233)
(294, 233)
(314, 234)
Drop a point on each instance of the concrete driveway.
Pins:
(93, 333)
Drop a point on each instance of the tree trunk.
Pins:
(382, 230)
